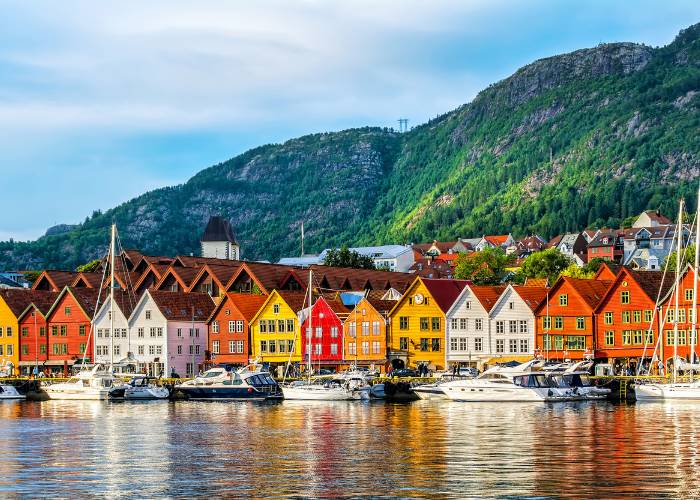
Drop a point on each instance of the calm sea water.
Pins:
(420, 449)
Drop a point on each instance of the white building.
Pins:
(218, 240)
(103, 339)
(397, 258)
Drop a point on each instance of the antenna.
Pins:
(403, 124)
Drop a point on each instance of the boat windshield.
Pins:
(213, 373)
(531, 381)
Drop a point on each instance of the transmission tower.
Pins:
(403, 124)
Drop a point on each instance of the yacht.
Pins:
(249, 382)
(87, 384)
(10, 392)
(577, 379)
(676, 391)
(140, 387)
(340, 388)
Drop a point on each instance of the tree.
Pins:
(90, 267)
(687, 257)
(594, 264)
(345, 257)
(545, 264)
(574, 271)
(487, 267)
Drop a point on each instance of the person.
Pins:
(454, 370)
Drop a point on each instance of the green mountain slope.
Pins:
(582, 139)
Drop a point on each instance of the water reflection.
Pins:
(72, 449)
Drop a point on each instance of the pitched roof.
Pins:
(656, 216)
(218, 229)
(609, 234)
(192, 261)
(85, 297)
(91, 280)
(650, 282)
(537, 282)
(532, 295)
(126, 301)
(487, 295)
(554, 241)
(592, 291)
(57, 279)
(44, 300)
(382, 306)
(444, 292)
(497, 240)
(180, 306)
(17, 299)
(247, 304)
(295, 300)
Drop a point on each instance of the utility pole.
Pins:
(403, 124)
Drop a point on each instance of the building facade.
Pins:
(229, 328)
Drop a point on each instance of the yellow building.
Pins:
(13, 302)
(417, 323)
(275, 330)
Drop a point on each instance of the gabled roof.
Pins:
(381, 306)
(125, 301)
(17, 299)
(89, 280)
(220, 274)
(611, 236)
(608, 267)
(591, 291)
(192, 261)
(247, 304)
(183, 275)
(41, 300)
(537, 282)
(555, 241)
(86, 298)
(655, 216)
(497, 240)
(532, 295)
(218, 229)
(650, 282)
(444, 292)
(57, 279)
(180, 306)
(295, 300)
(487, 295)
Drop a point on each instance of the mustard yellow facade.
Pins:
(9, 338)
(274, 331)
(417, 330)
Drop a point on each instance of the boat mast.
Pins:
(309, 330)
(679, 234)
(111, 297)
(695, 286)
(192, 337)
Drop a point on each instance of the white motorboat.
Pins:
(673, 391)
(140, 387)
(249, 382)
(431, 391)
(577, 379)
(91, 384)
(333, 389)
(10, 392)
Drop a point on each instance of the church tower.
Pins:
(218, 240)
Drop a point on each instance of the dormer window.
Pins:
(276, 309)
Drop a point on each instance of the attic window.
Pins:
(66, 311)
(468, 304)
(511, 305)
(227, 312)
(276, 309)
(148, 314)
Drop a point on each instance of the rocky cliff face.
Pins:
(586, 138)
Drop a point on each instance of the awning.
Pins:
(506, 359)
(58, 362)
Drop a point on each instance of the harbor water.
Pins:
(73, 449)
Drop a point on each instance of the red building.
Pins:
(229, 327)
(565, 320)
(69, 322)
(327, 318)
(627, 312)
(33, 340)
(608, 245)
(685, 315)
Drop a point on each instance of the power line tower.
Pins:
(403, 124)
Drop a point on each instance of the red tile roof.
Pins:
(444, 292)
(498, 240)
(17, 299)
(180, 306)
(57, 279)
(591, 291)
(247, 304)
(487, 295)
(532, 295)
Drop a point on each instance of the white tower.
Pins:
(218, 240)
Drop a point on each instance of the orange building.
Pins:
(565, 320)
(229, 327)
(685, 315)
(33, 341)
(365, 334)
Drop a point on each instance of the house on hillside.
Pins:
(501, 241)
(608, 244)
(573, 245)
(651, 218)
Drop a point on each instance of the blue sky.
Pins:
(102, 101)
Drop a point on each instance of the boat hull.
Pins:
(8, 392)
(493, 394)
(143, 394)
(75, 394)
(226, 393)
(663, 392)
(304, 393)
(430, 393)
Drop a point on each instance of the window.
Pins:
(376, 347)
(318, 349)
(453, 323)
(688, 294)
(423, 344)
(141, 350)
(453, 344)
(626, 337)
(500, 345)
(8, 330)
(681, 315)
(2, 349)
(403, 343)
(215, 326)
(140, 332)
(290, 325)
(232, 347)
(512, 345)
(352, 348)
(376, 328)
(334, 348)
(580, 323)
(239, 346)
(66, 310)
(271, 326)
(649, 337)
(334, 332)
(500, 327)
(263, 346)
(281, 325)
(262, 324)
(478, 324)
(512, 326)
(152, 350)
(608, 318)
(647, 316)
(637, 316)
(42, 349)
(276, 309)
(462, 344)
(468, 304)
(10, 349)
(25, 331)
(232, 326)
(563, 300)
(272, 346)
(282, 346)
(365, 328)
(365, 347)
(670, 314)
(435, 323)
(463, 323)
(42, 331)
(625, 297)
(189, 370)
(0, 331)
(626, 315)
(152, 331)
(511, 305)
(609, 338)
(319, 332)
(478, 344)
(435, 345)
(558, 322)
(576, 342)
(546, 322)
(558, 342)
(638, 335)
(25, 350)
(117, 350)
(424, 325)
(681, 338)
(523, 326)
(524, 345)
(81, 330)
(352, 329)
(215, 347)
(179, 349)
(148, 314)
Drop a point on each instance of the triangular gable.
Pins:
(205, 272)
(291, 279)
(624, 273)
(67, 290)
(417, 282)
(240, 276)
(170, 275)
(149, 275)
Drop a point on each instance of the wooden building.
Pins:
(229, 328)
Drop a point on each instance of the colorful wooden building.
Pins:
(13, 302)
(417, 323)
(626, 313)
(566, 321)
(685, 318)
(33, 328)
(324, 334)
(229, 328)
(274, 330)
(365, 334)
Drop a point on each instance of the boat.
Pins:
(247, 383)
(10, 392)
(431, 391)
(676, 390)
(87, 384)
(577, 378)
(140, 387)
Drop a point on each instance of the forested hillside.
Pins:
(582, 139)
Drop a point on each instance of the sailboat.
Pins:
(676, 390)
(97, 382)
(327, 389)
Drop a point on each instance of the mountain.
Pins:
(582, 139)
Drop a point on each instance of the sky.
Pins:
(103, 101)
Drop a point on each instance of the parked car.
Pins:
(404, 372)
